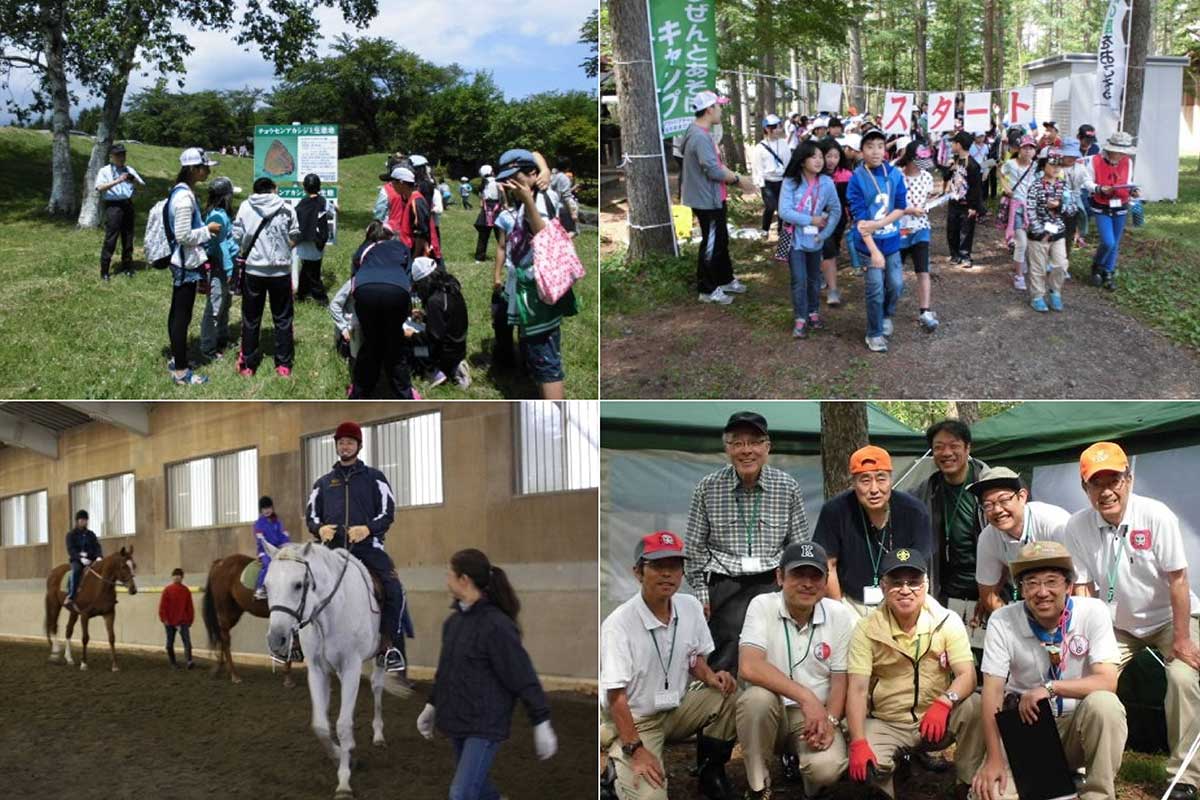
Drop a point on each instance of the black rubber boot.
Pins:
(711, 757)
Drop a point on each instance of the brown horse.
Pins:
(97, 597)
(225, 600)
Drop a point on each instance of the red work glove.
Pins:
(933, 724)
(861, 755)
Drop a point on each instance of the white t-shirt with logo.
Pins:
(1012, 651)
(630, 660)
(1138, 553)
(817, 650)
(996, 549)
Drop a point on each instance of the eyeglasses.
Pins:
(912, 584)
(739, 444)
(1033, 584)
(989, 506)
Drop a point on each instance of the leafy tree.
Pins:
(589, 33)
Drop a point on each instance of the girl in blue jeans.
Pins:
(809, 203)
(482, 671)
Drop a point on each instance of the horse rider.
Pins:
(82, 549)
(352, 506)
(269, 528)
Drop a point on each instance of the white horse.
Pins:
(326, 595)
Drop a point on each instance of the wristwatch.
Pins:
(631, 748)
(1049, 687)
(834, 721)
(952, 696)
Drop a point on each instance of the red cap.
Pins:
(660, 544)
(348, 430)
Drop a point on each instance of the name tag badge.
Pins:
(872, 595)
(1114, 203)
(1052, 227)
(751, 565)
(666, 699)
(811, 230)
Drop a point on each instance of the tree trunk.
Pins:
(922, 9)
(637, 98)
(958, 58)
(1139, 39)
(989, 33)
(770, 101)
(799, 84)
(746, 126)
(843, 430)
(62, 186)
(856, 69)
(1000, 46)
(114, 98)
(965, 411)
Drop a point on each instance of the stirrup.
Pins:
(392, 663)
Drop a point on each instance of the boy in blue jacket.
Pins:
(878, 199)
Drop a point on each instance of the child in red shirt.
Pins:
(176, 612)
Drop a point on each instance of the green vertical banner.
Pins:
(286, 153)
(684, 41)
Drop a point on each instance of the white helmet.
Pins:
(485, 170)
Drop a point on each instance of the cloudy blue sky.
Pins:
(529, 46)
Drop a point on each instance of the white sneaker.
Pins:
(877, 344)
(717, 296)
(462, 375)
(888, 327)
(1019, 282)
(833, 297)
(734, 287)
(928, 319)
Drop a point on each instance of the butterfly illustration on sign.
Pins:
(279, 160)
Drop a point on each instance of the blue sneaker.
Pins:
(1055, 301)
(1038, 304)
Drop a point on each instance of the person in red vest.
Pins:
(176, 612)
(409, 217)
(1111, 193)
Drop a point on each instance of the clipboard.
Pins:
(1036, 756)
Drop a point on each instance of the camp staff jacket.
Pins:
(482, 671)
(83, 544)
(905, 681)
(353, 495)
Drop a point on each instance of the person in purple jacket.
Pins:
(268, 528)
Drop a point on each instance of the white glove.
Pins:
(84, 560)
(425, 721)
(545, 743)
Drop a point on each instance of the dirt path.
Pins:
(990, 343)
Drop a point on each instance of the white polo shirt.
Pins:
(1012, 651)
(812, 652)
(1133, 558)
(996, 549)
(636, 652)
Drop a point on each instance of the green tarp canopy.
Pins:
(1055, 433)
(695, 426)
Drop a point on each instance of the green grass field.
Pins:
(65, 334)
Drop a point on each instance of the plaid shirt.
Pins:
(721, 513)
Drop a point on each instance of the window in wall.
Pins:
(109, 503)
(214, 490)
(408, 452)
(558, 446)
(24, 519)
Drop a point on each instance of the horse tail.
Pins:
(51, 624)
(211, 625)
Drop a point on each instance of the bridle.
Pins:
(310, 580)
(111, 581)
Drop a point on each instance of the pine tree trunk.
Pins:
(999, 42)
(965, 411)
(843, 430)
(922, 9)
(1139, 39)
(799, 83)
(637, 98)
(62, 186)
(989, 32)
(856, 69)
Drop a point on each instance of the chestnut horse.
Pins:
(225, 600)
(97, 597)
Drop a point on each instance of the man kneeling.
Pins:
(911, 664)
(793, 652)
(1057, 647)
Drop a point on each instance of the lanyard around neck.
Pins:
(812, 630)
(958, 502)
(885, 541)
(752, 526)
(887, 182)
(1116, 550)
(666, 665)
(1053, 643)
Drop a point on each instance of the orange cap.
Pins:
(870, 459)
(1102, 457)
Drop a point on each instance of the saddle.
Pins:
(249, 577)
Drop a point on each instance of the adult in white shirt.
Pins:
(1013, 522)
(651, 647)
(793, 653)
(1058, 648)
(114, 184)
(1128, 551)
(771, 156)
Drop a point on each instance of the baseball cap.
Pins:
(513, 161)
(901, 143)
(851, 140)
(422, 268)
(418, 161)
(220, 186)
(1027, 141)
(820, 122)
(404, 175)
(874, 133)
(996, 478)
(1102, 457)
(870, 459)
(804, 554)
(484, 171)
(1050, 124)
(117, 149)
(704, 100)
(770, 120)
(660, 544)
(747, 418)
(1086, 130)
(1041, 555)
(904, 558)
(195, 157)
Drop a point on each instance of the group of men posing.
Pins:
(846, 650)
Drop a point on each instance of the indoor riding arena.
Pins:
(177, 485)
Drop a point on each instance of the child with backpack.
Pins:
(222, 249)
(317, 219)
(444, 314)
